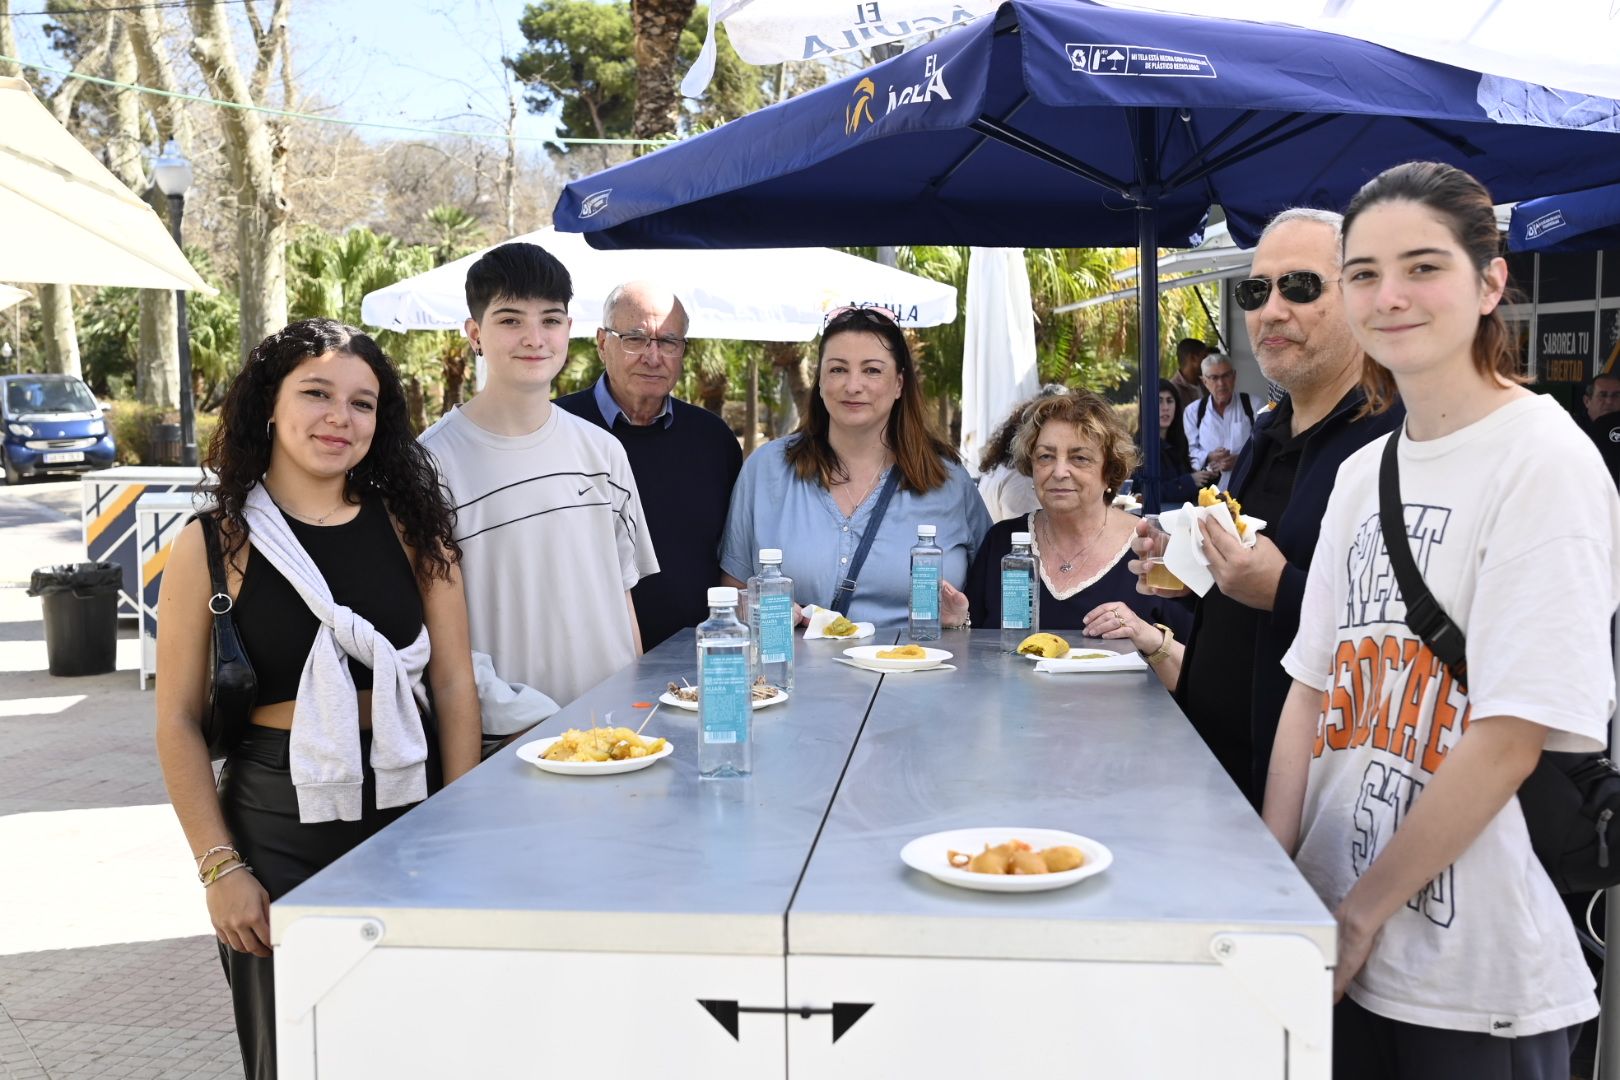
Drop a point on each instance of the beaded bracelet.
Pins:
(198, 859)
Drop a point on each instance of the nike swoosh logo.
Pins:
(583, 490)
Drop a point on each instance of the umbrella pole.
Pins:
(1147, 306)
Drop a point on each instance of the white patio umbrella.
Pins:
(769, 294)
(65, 218)
(11, 296)
(998, 353)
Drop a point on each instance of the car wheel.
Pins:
(12, 475)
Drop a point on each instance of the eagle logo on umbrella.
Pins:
(861, 106)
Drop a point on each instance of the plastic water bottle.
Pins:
(927, 567)
(1020, 595)
(770, 620)
(725, 705)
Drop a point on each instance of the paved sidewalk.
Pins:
(107, 965)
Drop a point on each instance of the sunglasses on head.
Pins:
(872, 309)
(1296, 286)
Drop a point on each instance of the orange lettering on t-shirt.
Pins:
(1369, 676)
(1337, 733)
(1390, 666)
(1420, 670)
(1445, 718)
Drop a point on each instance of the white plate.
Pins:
(691, 706)
(531, 751)
(1075, 654)
(868, 655)
(930, 855)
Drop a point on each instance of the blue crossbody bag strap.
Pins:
(846, 587)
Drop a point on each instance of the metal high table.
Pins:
(652, 924)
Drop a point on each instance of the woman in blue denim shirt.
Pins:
(813, 494)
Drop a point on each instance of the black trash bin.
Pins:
(81, 616)
(166, 443)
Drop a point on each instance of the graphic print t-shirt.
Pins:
(552, 537)
(1514, 527)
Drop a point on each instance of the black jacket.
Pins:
(1295, 534)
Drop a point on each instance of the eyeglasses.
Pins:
(1224, 377)
(1296, 286)
(634, 343)
(879, 310)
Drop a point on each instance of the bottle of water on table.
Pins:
(770, 619)
(725, 706)
(1020, 594)
(927, 567)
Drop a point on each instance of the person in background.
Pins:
(1188, 380)
(1077, 453)
(815, 493)
(1178, 480)
(1007, 492)
(685, 459)
(1456, 958)
(1601, 396)
(1216, 431)
(340, 572)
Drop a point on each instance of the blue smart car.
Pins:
(51, 423)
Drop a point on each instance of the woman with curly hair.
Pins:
(334, 540)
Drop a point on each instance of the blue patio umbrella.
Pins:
(1063, 123)
(1574, 221)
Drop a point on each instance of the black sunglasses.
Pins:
(1296, 286)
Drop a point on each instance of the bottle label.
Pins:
(1015, 599)
(724, 697)
(924, 592)
(775, 629)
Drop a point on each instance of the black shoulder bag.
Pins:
(232, 685)
(1571, 801)
(846, 587)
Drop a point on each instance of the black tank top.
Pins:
(367, 571)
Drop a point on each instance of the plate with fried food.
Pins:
(597, 751)
(897, 657)
(826, 623)
(686, 697)
(1007, 858)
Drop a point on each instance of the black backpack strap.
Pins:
(1248, 408)
(1423, 613)
(1203, 410)
(846, 587)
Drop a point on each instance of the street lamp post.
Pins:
(173, 174)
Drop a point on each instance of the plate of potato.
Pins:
(1007, 858)
(897, 657)
(602, 751)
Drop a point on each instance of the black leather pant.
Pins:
(261, 810)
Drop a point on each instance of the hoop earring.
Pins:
(267, 424)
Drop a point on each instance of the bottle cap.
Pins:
(1020, 538)
(770, 555)
(927, 530)
(722, 596)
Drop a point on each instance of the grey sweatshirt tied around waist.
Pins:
(324, 750)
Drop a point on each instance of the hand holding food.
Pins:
(1049, 646)
(1017, 857)
(1211, 495)
(839, 627)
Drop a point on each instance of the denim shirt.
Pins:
(772, 507)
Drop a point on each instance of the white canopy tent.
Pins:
(68, 220)
(768, 294)
(998, 353)
(11, 296)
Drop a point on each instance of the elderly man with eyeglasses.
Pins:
(1216, 431)
(685, 459)
(1229, 677)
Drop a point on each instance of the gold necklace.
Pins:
(315, 520)
(1067, 566)
(869, 489)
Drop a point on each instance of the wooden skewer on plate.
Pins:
(655, 709)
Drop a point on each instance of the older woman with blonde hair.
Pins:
(1077, 453)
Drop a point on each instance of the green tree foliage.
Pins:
(579, 57)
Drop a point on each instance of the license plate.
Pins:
(62, 459)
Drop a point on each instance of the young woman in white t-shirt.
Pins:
(1455, 957)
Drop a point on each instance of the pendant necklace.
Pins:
(869, 489)
(1067, 566)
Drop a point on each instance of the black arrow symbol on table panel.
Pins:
(844, 1014)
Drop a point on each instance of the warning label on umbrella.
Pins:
(1096, 59)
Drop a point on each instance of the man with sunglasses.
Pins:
(1229, 678)
(684, 458)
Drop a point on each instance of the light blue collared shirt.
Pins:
(772, 508)
(611, 411)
